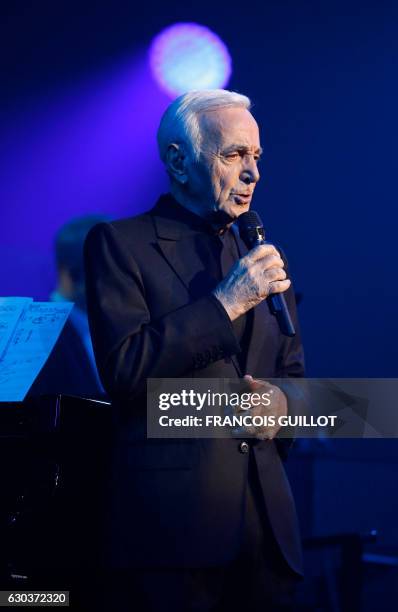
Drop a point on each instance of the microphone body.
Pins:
(251, 231)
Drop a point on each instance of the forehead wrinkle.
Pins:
(210, 125)
(216, 126)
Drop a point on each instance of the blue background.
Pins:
(78, 122)
(79, 112)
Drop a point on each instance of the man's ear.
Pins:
(176, 163)
(66, 286)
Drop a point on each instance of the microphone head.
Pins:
(251, 228)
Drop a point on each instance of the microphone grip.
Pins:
(278, 307)
(252, 233)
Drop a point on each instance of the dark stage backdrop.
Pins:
(78, 121)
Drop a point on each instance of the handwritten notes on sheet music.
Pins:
(10, 312)
(28, 332)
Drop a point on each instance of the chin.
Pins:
(237, 209)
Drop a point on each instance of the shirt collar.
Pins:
(176, 219)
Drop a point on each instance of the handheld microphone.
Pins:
(251, 231)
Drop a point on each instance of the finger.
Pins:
(269, 261)
(259, 252)
(279, 286)
(268, 433)
(254, 383)
(274, 274)
(249, 380)
(257, 381)
(263, 436)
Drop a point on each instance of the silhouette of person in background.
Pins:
(70, 368)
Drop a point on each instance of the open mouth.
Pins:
(242, 198)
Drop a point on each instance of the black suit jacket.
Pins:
(178, 502)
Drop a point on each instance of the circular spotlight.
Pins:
(188, 56)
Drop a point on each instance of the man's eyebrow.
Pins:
(241, 147)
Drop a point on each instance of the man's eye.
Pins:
(232, 155)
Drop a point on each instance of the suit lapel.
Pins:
(180, 258)
(179, 246)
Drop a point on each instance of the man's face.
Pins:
(226, 174)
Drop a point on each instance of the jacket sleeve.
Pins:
(129, 345)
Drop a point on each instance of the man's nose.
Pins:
(250, 173)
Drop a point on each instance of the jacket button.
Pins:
(243, 447)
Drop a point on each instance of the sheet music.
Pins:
(11, 309)
(31, 342)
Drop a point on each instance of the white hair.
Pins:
(180, 122)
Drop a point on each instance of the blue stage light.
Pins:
(188, 56)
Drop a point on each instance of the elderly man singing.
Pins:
(194, 524)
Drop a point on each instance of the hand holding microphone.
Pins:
(252, 279)
(257, 276)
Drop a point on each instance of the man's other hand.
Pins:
(277, 408)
